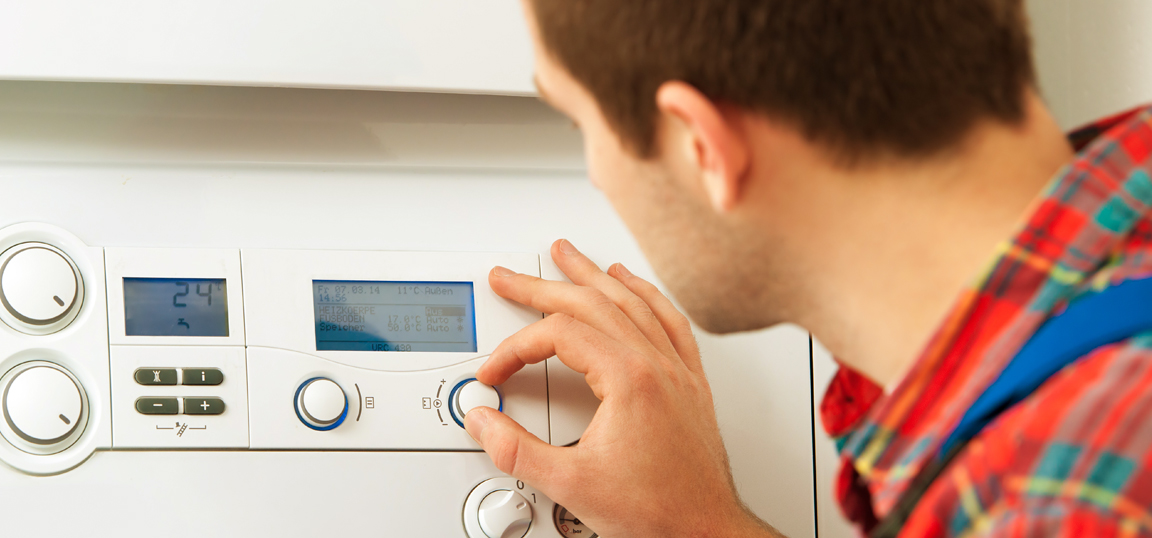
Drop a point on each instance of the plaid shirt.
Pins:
(1075, 458)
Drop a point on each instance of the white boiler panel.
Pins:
(267, 199)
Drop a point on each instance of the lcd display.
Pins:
(175, 307)
(394, 316)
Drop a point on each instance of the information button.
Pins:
(203, 376)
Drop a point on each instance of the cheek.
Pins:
(610, 168)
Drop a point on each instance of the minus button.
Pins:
(158, 406)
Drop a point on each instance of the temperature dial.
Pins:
(44, 408)
(40, 288)
(570, 525)
(321, 404)
(470, 394)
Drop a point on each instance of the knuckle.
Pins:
(594, 297)
(641, 373)
(681, 324)
(561, 322)
(637, 305)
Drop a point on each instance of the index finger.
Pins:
(577, 345)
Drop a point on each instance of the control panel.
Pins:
(263, 350)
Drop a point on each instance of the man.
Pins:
(883, 173)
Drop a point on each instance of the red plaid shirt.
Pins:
(1075, 458)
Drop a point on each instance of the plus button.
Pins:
(204, 406)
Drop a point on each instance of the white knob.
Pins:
(505, 514)
(472, 394)
(43, 405)
(322, 403)
(38, 285)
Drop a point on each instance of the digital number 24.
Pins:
(176, 298)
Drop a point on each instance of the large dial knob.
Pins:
(503, 508)
(321, 404)
(470, 394)
(40, 288)
(505, 514)
(43, 406)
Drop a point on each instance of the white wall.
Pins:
(1094, 56)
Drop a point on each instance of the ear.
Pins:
(714, 143)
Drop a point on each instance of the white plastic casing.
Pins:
(133, 430)
(396, 400)
(80, 348)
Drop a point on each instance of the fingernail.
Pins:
(502, 271)
(567, 247)
(474, 423)
(624, 272)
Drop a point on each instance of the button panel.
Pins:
(203, 397)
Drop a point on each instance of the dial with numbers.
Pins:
(570, 525)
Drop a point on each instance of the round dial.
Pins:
(40, 288)
(44, 406)
(470, 394)
(505, 514)
(321, 404)
(570, 525)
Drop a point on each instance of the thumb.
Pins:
(513, 449)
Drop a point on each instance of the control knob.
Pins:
(505, 514)
(470, 394)
(40, 288)
(43, 406)
(321, 404)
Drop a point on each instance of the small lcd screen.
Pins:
(175, 307)
(394, 316)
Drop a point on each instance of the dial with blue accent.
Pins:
(321, 404)
(470, 394)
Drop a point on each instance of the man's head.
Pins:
(709, 123)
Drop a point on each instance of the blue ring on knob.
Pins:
(296, 406)
(452, 400)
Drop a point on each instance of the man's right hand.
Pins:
(651, 463)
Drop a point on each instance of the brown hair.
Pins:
(902, 77)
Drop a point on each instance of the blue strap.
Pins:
(1115, 314)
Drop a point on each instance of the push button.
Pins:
(203, 376)
(155, 376)
(158, 406)
(203, 406)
